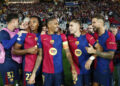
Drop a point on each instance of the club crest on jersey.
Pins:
(51, 41)
(78, 52)
(53, 51)
(29, 36)
(77, 42)
(11, 80)
(36, 38)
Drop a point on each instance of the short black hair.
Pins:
(11, 16)
(40, 23)
(98, 16)
(49, 19)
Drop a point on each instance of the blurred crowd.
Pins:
(83, 12)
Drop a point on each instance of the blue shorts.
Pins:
(7, 77)
(52, 79)
(26, 75)
(83, 80)
(103, 79)
(8, 71)
(26, 79)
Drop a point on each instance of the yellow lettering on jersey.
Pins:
(28, 76)
(10, 75)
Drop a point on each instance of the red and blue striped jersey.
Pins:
(107, 41)
(77, 47)
(29, 40)
(52, 53)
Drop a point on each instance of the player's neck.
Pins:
(101, 31)
(34, 31)
(50, 32)
(77, 34)
(10, 27)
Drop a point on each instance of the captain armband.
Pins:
(65, 44)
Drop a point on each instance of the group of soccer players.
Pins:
(44, 51)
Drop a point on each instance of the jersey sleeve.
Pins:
(117, 36)
(20, 39)
(9, 43)
(110, 43)
(64, 38)
(90, 39)
(65, 42)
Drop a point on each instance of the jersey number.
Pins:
(28, 76)
(10, 75)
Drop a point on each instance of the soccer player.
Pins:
(31, 44)
(90, 29)
(115, 31)
(52, 45)
(77, 43)
(103, 64)
(7, 68)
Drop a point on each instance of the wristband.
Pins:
(92, 58)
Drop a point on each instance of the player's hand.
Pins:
(99, 47)
(21, 32)
(74, 75)
(33, 50)
(88, 64)
(32, 79)
(90, 49)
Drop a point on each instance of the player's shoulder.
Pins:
(70, 36)
(63, 35)
(110, 34)
(4, 34)
(89, 36)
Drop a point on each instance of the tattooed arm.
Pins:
(107, 55)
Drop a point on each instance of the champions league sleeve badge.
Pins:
(53, 51)
(78, 52)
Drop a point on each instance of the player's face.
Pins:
(24, 25)
(114, 30)
(34, 23)
(53, 25)
(44, 30)
(95, 23)
(90, 29)
(74, 27)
